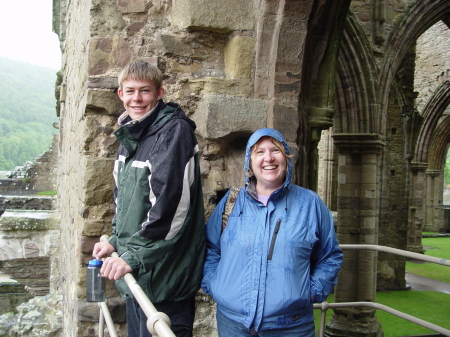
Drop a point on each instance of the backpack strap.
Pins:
(229, 204)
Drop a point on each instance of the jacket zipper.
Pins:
(274, 238)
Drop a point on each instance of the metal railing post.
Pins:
(106, 316)
(101, 324)
(158, 323)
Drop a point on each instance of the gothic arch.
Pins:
(420, 16)
(432, 113)
(439, 145)
(318, 82)
(356, 107)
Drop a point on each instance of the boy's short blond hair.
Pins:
(141, 70)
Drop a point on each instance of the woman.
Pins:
(278, 253)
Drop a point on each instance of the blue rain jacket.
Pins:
(271, 262)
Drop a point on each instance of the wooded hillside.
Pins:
(27, 111)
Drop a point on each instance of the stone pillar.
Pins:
(326, 174)
(416, 215)
(357, 223)
(434, 213)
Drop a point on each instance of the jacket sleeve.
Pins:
(213, 234)
(173, 174)
(327, 257)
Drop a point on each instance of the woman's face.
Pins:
(268, 163)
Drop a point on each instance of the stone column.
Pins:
(434, 213)
(417, 210)
(357, 223)
(326, 173)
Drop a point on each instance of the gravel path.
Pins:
(417, 282)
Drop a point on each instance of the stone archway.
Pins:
(360, 131)
(429, 158)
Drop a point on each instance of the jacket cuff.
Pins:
(132, 261)
(113, 241)
(316, 291)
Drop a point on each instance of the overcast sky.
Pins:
(26, 32)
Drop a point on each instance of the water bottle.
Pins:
(95, 283)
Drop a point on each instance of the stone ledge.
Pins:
(220, 86)
(218, 15)
(14, 220)
(221, 116)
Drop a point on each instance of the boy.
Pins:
(158, 226)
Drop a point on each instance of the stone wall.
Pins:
(208, 56)
(36, 176)
(433, 62)
(42, 172)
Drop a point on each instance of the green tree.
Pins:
(27, 112)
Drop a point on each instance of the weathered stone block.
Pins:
(220, 86)
(97, 187)
(105, 17)
(15, 220)
(170, 44)
(96, 228)
(218, 15)
(104, 101)
(238, 55)
(135, 6)
(89, 311)
(87, 243)
(98, 137)
(221, 116)
(285, 118)
(107, 54)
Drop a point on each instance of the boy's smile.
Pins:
(139, 97)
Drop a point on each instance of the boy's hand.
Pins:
(102, 249)
(114, 268)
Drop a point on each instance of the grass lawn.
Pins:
(437, 247)
(430, 306)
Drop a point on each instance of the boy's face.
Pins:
(139, 97)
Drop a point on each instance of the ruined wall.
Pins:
(208, 56)
(42, 173)
(433, 62)
(432, 74)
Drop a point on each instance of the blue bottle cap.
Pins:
(95, 263)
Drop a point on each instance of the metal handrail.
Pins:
(324, 306)
(158, 323)
(396, 251)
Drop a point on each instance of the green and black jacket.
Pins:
(158, 227)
